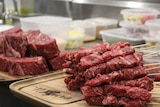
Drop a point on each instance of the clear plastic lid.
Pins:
(152, 39)
(127, 24)
(153, 22)
(45, 19)
(119, 33)
(144, 11)
(102, 21)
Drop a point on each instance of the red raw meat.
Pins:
(57, 62)
(3, 34)
(27, 65)
(127, 91)
(144, 82)
(3, 62)
(15, 45)
(92, 91)
(42, 45)
(116, 63)
(123, 74)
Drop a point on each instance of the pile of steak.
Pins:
(109, 75)
(26, 52)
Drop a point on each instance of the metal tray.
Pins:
(50, 90)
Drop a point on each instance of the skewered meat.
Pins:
(113, 101)
(57, 62)
(115, 77)
(96, 58)
(127, 91)
(145, 83)
(74, 83)
(95, 100)
(124, 74)
(89, 91)
(75, 57)
(114, 64)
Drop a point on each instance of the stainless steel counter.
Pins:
(82, 9)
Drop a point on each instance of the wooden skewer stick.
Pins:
(137, 46)
(146, 48)
(152, 64)
(153, 53)
(154, 92)
(154, 103)
(153, 74)
(152, 68)
(148, 57)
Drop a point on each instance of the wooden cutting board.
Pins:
(6, 77)
(50, 90)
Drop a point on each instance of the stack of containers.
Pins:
(102, 23)
(135, 19)
(154, 32)
(70, 34)
(133, 26)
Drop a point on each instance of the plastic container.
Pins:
(152, 40)
(47, 24)
(5, 27)
(139, 16)
(119, 34)
(102, 23)
(73, 32)
(61, 43)
(89, 31)
(154, 28)
(134, 30)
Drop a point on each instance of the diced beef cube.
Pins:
(15, 45)
(3, 34)
(57, 62)
(3, 62)
(42, 45)
(27, 65)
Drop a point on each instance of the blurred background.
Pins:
(76, 9)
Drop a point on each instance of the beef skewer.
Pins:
(152, 64)
(115, 77)
(145, 83)
(127, 91)
(73, 58)
(124, 74)
(113, 101)
(114, 64)
(93, 59)
(113, 95)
